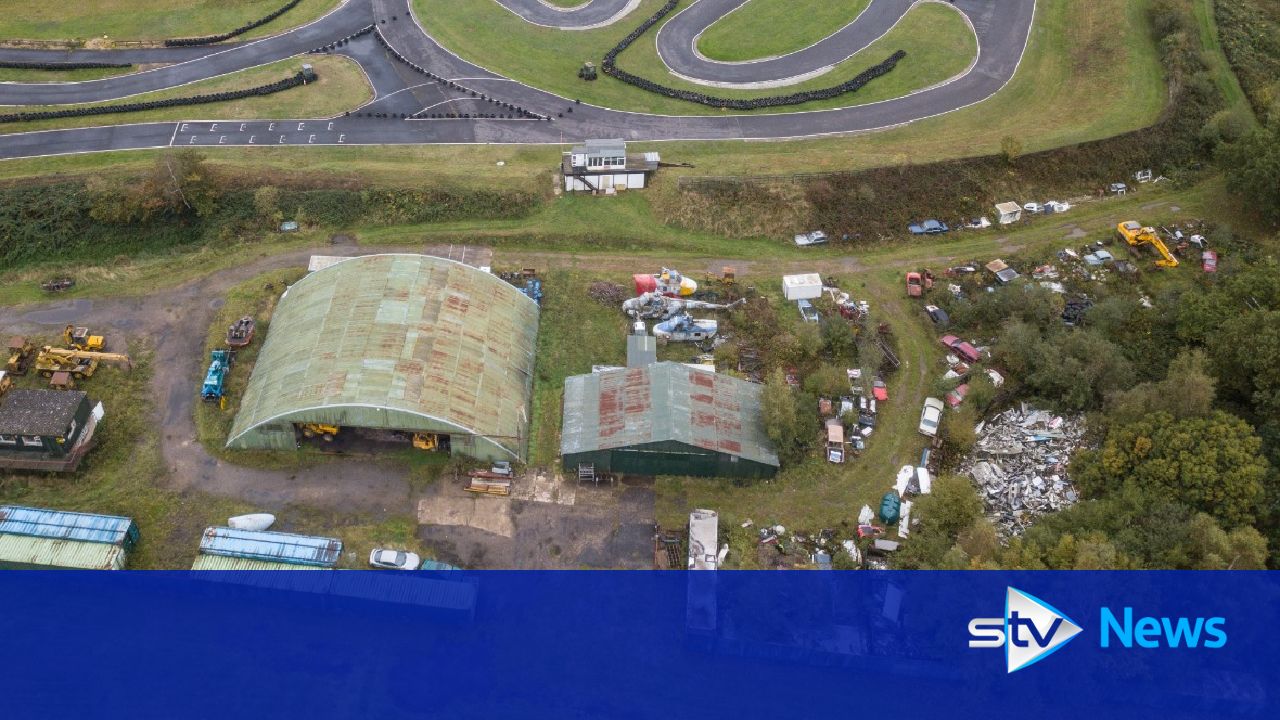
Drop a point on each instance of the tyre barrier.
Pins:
(610, 67)
(518, 113)
(19, 65)
(211, 39)
(343, 41)
(275, 87)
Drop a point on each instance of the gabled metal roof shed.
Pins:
(665, 419)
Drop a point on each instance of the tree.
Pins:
(950, 509)
(1212, 464)
(1188, 391)
(827, 381)
(838, 339)
(784, 420)
(178, 183)
(1010, 148)
(266, 202)
(1252, 167)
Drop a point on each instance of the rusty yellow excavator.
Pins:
(1138, 235)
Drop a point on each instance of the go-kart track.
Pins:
(399, 51)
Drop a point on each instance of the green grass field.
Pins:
(765, 28)
(50, 76)
(340, 86)
(151, 20)
(483, 32)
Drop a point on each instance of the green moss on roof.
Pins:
(409, 342)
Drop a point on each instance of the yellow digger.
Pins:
(81, 339)
(1137, 235)
(429, 442)
(80, 364)
(320, 430)
(21, 353)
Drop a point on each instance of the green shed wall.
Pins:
(668, 458)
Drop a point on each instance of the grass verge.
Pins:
(104, 21)
(765, 28)
(340, 86)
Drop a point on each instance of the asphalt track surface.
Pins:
(1002, 28)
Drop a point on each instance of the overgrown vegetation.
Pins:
(1183, 399)
(1250, 34)
(184, 201)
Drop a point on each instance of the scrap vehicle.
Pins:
(655, 306)
(964, 350)
(21, 353)
(394, 559)
(928, 227)
(1139, 236)
(81, 339)
(80, 364)
(214, 386)
(930, 417)
(240, 333)
(684, 328)
(915, 285)
(816, 237)
(808, 312)
(668, 282)
(430, 442)
(323, 431)
(58, 284)
(6, 383)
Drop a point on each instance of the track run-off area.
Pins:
(412, 73)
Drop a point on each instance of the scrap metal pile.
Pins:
(1019, 464)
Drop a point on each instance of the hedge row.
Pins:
(274, 87)
(610, 68)
(210, 39)
(18, 65)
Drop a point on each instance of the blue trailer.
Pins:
(215, 379)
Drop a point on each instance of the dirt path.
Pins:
(175, 321)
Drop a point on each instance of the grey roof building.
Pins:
(665, 419)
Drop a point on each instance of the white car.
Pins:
(817, 237)
(394, 559)
(930, 416)
(1058, 207)
(1033, 208)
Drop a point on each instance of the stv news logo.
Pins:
(1030, 630)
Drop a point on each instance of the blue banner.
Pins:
(345, 644)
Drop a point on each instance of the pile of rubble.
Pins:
(607, 293)
(1019, 464)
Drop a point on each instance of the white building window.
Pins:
(32, 441)
(71, 431)
(8, 440)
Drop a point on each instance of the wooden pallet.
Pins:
(489, 488)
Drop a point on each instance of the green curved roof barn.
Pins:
(401, 342)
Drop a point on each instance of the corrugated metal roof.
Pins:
(220, 562)
(664, 402)
(408, 342)
(271, 546)
(48, 552)
(38, 412)
(62, 525)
